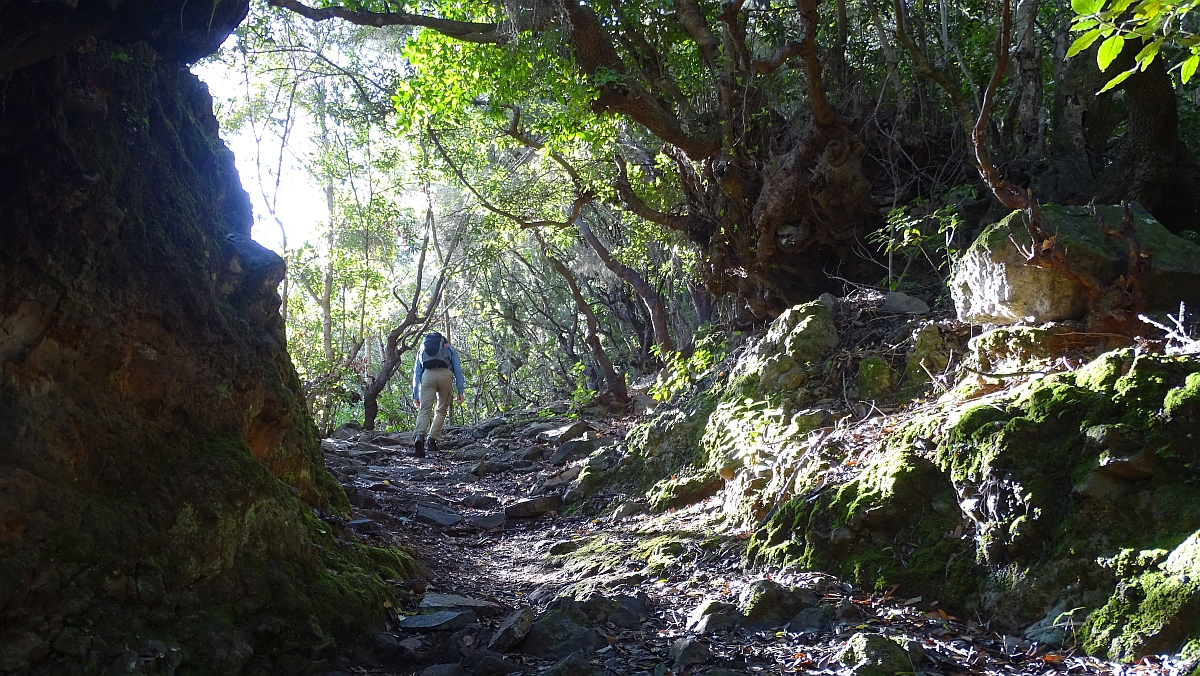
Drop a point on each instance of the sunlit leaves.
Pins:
(1148, 23)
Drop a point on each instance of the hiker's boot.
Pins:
(432, 446)
(419, 446)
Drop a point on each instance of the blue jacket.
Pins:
(454, 365)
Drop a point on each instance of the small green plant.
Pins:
(680, 372)
(922, 229)
(582, 395)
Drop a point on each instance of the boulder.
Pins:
(687, 652)
(560, 435)
(560, 631)
(488, 467)
(514, 628)
(810, 620)
(875, 655)
(482, 608)
(992, 284)
(578, 449)
(442, 620)
(480, 501)
(902, 303)
(488, 521)
(525, 509)
(562, 478)
(575, 664)
(767, 601)
(624, 610)
(437, 517)
(454, 669)
(713, 616)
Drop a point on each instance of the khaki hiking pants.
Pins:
(439, 384)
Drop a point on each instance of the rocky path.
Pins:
(514, 583)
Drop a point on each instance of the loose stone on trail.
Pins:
(442, 620)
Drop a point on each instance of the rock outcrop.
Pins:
(160, 479)
(992, 284)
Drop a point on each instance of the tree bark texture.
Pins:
(159, 468)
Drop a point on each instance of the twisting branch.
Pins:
(467, 31)
(527, 225)
(634, 203)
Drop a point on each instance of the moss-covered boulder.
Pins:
(874, 379)
(802, 335)
(894, 524)
(992, 284)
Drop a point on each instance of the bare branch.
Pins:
(467, 31)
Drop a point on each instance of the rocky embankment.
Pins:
(530, 568)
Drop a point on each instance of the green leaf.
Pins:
(1189, 68)
(1083, 42)
(1118, 80)
(1085, 7)
(1084, 24)
(1146, 57)
(1110, 49)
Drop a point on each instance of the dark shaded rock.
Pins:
(713, 616)
(488, 521)
(525, 509)
(577, 450)
(481, 607)
(361, 498)
(364, 526)
(809, 619)
(490, 424)
(687, 652)
(491, 664)
(575, 664)
(514, 628)
(388, 648)
(766, 601)
(559, 631)
(437, 517)
(624, 610)
(848, 611)
(489, 467)
(443, 620)
(480, 501)
(561, 435)
(454, 669)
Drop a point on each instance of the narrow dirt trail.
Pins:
(488, 525)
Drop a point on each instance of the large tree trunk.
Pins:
(158, 469)
(1154, 166)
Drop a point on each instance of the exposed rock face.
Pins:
(992, 284)
(155, 456)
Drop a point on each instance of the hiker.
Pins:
(436, 372)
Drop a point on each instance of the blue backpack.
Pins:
(435, 353)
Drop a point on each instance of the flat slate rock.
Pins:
(365, 526)
(454, 669)
(442, 620)
(482, 608)
(437, 517)
(525, 509)
(488, 521)
(480, 501)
